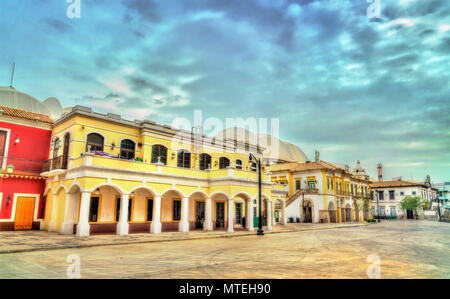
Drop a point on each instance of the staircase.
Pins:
(293, 198)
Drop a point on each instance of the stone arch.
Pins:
(197, 209)
(147, 188)
(115, 187)
(171, 209)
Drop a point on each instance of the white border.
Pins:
(8, 134)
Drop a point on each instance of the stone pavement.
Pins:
(25, 241)
(405, 249)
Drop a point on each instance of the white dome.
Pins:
(11, 97)
(276, 149)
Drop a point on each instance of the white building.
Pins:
(391, 193)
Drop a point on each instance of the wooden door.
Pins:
(199, 214)
(220, 214)
(24, 213)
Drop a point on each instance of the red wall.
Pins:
(34, 145)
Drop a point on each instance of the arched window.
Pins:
(127, 149)
(56, 146)
(224, 163)
(238, 164)
(161, 152)
(95, 142)
(205, 161)
(184, 159)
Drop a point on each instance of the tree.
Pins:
(412, 203)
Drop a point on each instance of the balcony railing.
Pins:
(309, 191)
(24, 165)
(60, 162)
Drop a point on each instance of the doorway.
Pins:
(24, 213)
(307, 212)
(199, 214)
(238, 213)
(220, 214)
(409, 214)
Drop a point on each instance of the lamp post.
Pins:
(9, 171)
(258, 161)
(378, 208)
(438, 208)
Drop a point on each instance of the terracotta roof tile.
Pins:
(395, 184)
(25, 114)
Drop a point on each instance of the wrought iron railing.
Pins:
(60, 162)
(25, 165)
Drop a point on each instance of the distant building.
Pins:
(443, 193)
(25, 131)
(391, 193)
(323, 192)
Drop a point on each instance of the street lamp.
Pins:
(9, 171)
(258, 161)
(438, 207)
(378, 207)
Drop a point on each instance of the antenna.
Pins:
(12, 75)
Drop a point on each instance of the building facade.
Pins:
(322, 192)
(24, 145)
(391, 193)
(107, 174)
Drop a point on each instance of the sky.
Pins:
(352, 84)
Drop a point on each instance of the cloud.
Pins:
(352, 87)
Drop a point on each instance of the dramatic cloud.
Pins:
(355, 88)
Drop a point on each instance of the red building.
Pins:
(24, 143)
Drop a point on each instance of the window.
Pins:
(127, 149)
(298, 184)
(414, 193)
(93, 209)
(177, 210)
(149, 209)
(159, 151)
(56, 146)
(402, 193)
(94, 143)
(130, 208)
(393, 211)
(224, 163)
(205, 162)
(311, 185)
(238, 164)
(184, 159)
(391, 195)
(2, 144)
(382, 211)
(253, 167)
(380, 195)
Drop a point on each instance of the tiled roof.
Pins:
(294, 166)
(395, 184)
(25, 114)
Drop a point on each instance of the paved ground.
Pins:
(12, 242)
(407, 249)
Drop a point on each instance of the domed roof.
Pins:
(11, 97)
(275, 149)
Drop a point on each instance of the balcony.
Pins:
(60, 162)
(24, 165)
(309, 191)
(114, 163)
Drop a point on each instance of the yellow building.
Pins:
(323, 192)
(107, 174)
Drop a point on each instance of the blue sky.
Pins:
(376, 90)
